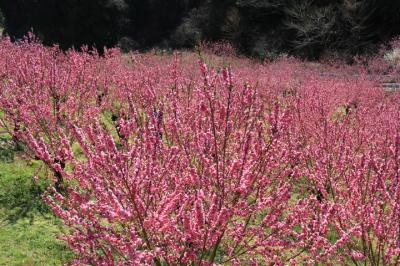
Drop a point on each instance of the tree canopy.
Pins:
(261, 28)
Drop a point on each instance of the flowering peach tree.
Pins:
(167, 161)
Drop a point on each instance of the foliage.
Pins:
(1, 20)
(192, 29)
(259, 28)
(67, 23)
(152, 22)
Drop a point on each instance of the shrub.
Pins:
(159, 161)
(192, 29)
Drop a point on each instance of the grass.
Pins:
(27, 242)
(28, 231)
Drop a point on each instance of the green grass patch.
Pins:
(28, 242)
(20, 196)
(28, 231)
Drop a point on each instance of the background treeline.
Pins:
(260, 28)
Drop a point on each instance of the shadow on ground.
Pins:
(20, 196)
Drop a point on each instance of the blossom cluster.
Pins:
(167, 160)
